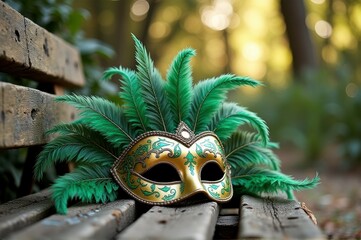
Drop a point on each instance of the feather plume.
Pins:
(179, 85)
(103, 116)
(79, 144)
(230, 116)
(160, 118)
(85, 183)
(134, 105)
(244, 149)
(209, 94)
(256, 180)
(104, 129)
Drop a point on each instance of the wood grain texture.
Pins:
(19, 213)
(275, 218)
(83, 221)
(191, 222)
(28, 50)
(26, 113)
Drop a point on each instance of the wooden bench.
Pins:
(32, 217)
(27, 50)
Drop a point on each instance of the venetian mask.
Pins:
(163, 168)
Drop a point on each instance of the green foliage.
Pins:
(303, 125)
(320, 112)
(11, 164)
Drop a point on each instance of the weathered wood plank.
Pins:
(83, 221)
(28, 50)
(26, 113)
(275, 218)
(19, 213)
(191, 222)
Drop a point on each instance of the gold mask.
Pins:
(198, 162)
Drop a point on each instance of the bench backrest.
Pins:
(27, 50)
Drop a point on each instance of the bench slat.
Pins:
(28, 50)
(24, 211)
(191, 222)
(275, 218)
(83, 221)
(26, 113)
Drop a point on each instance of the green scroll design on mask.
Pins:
(212, 189)
(190, 162)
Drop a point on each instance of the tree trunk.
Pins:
(301, 45)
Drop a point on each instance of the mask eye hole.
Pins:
(211, 171)
(162, 173)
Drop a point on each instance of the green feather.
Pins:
(230, 116)
(179, 85)
(244, 149)
(103, 116)
(256, 180)
(102, 132)
(87, 184)
(78, 144)
(134, 105)
(209, 94)
(154, 95)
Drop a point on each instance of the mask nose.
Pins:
(192, 183)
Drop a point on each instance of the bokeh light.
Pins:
(252, 51)
(352, 90)
(329, 54)
(159, 30)
(343, 38)
(139, 10)
(318, 1)
(218, 15)
(323, 29)
(356, 17)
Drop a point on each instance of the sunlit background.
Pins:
(244, 37)
(312, 80)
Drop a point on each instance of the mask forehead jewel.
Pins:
(185, 132)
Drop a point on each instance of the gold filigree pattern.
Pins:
(184, 151)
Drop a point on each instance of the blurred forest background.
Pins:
(307, 54)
